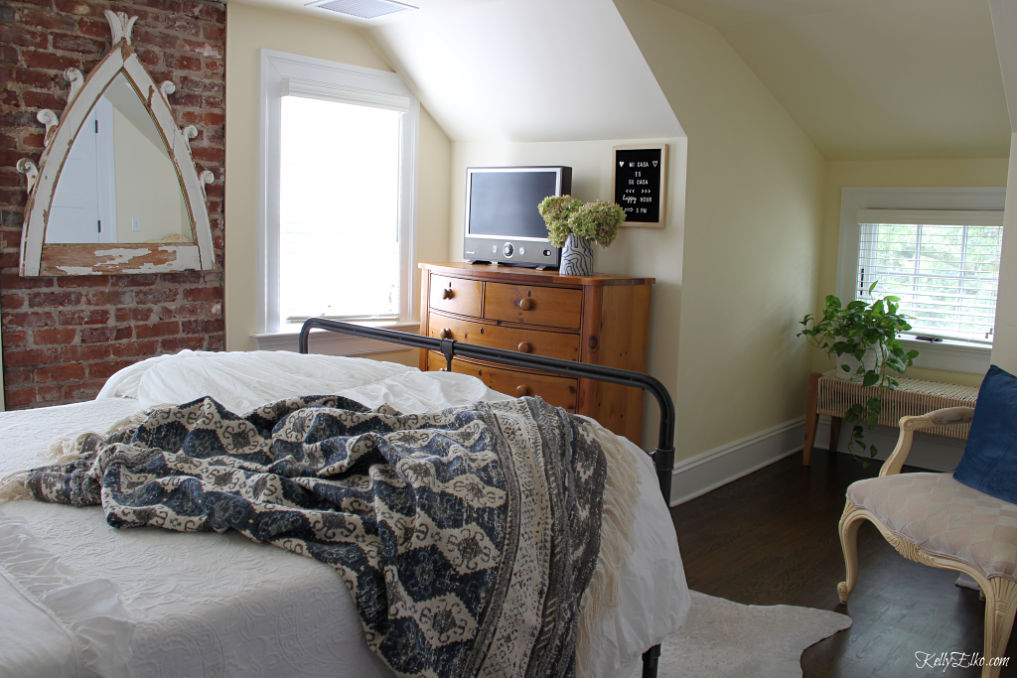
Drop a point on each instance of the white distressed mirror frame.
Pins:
(41, 258)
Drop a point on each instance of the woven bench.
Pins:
(832, 396)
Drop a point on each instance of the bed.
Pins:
(80, 598)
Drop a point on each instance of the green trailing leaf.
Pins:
(855, 330)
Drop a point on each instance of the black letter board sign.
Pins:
(640, 177)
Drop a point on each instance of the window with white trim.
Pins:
(937, 250)
(338, 169)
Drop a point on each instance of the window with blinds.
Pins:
(943, 264)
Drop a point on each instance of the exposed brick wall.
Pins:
(63, 336)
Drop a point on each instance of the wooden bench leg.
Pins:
(811, 417)
(834, 433)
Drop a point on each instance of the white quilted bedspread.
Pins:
(79, 598)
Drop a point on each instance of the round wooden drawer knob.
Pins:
(445, 333)
(524, 347)
(525, 304)
(523, 390)
(447, 293)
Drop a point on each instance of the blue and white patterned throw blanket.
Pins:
(466, 537)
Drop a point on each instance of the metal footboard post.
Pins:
(651, 659)
(663, 456)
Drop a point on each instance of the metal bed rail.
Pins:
(663, 455)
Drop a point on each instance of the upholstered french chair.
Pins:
(934, 519)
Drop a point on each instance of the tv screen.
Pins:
(502, 221)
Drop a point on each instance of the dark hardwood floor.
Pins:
(771, 538)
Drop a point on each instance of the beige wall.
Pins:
(751, 236)
(140, 166)
(876, 173)
(1004, 349)
(248, 29)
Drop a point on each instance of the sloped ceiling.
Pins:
(528, 70)
(874, 78)
(865, 79)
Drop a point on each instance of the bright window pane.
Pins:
(339, 202)
(945, 275)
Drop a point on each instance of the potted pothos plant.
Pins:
(864, 340)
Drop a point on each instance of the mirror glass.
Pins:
(118, 183)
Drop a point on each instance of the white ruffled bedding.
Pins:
(79, 598)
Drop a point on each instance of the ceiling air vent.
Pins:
(361, 9)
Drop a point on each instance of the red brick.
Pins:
(54, 336)
(11, 301)
(15, 338)
(203, 294)
(94, 316)
(177, 344)
(160, 329)
(156, 296)
(20, 377)
(135, 349)
(13, 281)
(49, 393)
(106, 368)
(96, 28)
(69, 372)
(49, 61)
(42, 18)
(29, 319)
(96, 335)
(50, 299)
(36, 79)
(85, 390)
(20, 397)
(78, 44)
(108, 298)
(11, 36)
(201, 326)
(87, 352)
(26, 357)
(146, 280)
(82, 281)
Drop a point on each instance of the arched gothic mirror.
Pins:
(116, 190)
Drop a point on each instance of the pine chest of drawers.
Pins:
(599, 319)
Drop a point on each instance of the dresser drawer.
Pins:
(559, 391)
(455, 295)
(539, 342)
(546, 306)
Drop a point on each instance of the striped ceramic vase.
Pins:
(577, 256)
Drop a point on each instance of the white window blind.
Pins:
(943, 264)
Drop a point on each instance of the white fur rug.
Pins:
(723, 639)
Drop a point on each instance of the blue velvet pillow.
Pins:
(989, 463)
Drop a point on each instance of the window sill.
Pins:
(333, 343)
(950, 355)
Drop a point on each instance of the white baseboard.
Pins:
(930, 452)
(704, 472)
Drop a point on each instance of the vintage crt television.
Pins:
(502, 222)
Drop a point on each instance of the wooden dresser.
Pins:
(600, 319)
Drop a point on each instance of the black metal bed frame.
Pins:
(663, 455)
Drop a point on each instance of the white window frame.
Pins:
(281, 74)
(950, 355)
